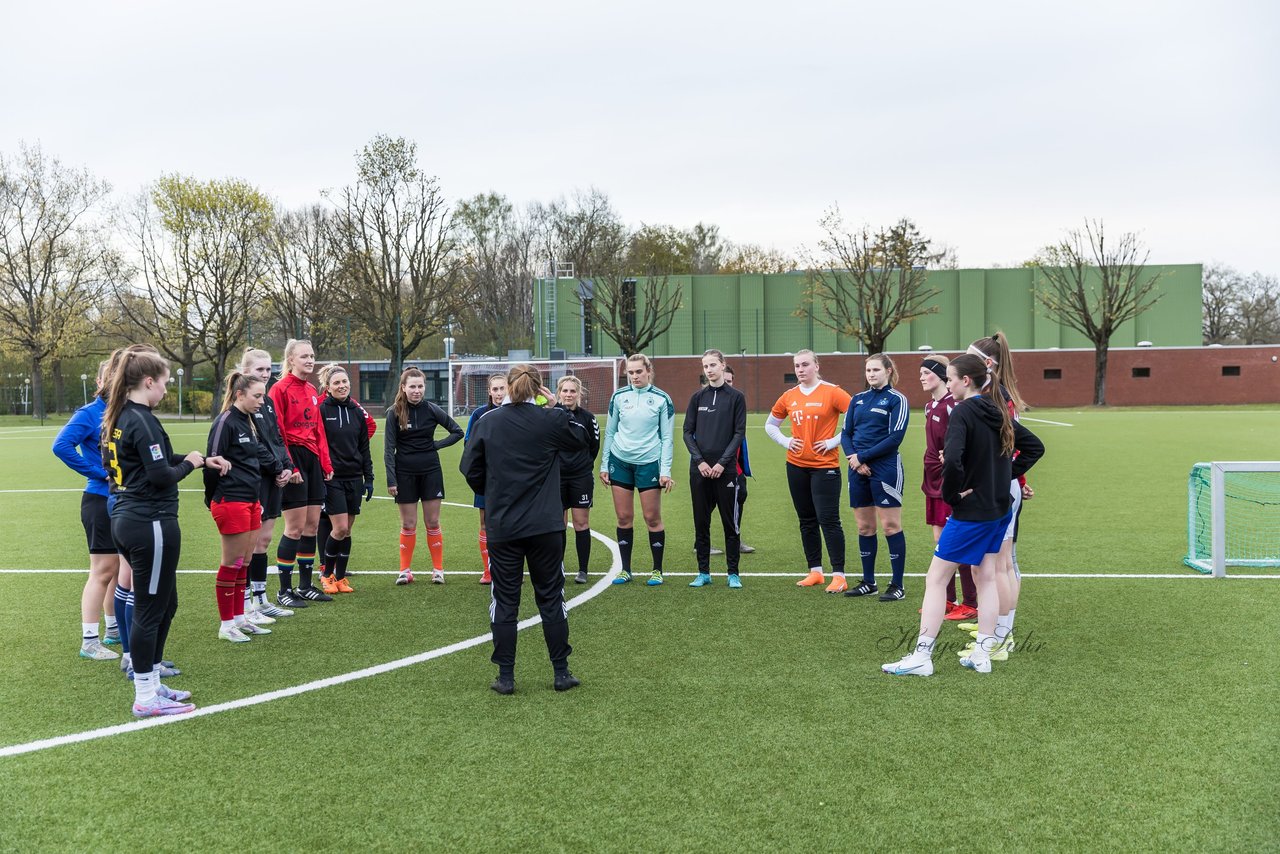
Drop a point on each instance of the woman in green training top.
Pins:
(638, 444)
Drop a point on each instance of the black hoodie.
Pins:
(346, 428)
(972, 461)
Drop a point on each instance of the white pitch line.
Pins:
(1104, 575)
(258, 699)
(1044, 421)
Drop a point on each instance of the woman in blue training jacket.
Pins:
(77, 446)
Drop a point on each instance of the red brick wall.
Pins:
(1178, 375)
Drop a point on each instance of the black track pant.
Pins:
(709, 493)
(507, 559)
(816, 496)
(152, 550)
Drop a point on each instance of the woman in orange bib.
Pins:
(816, 410)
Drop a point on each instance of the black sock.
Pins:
(306, 559)
(258, 568)
(344, 555)
(657, 541)
(286, 556)
(331, 549)
(624, 547)
(582, 540)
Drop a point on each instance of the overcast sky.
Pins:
(995, 125)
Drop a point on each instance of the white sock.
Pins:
(924, 646)
(1002, 626)
(982, 649)
(144, 686)
(89, 631)
(1012, 611)
(227, 624)
(816, 569)
(841, 574)
(111, 622)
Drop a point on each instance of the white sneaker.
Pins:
(163, 690)
(248, 628)
(233, 634)
(437, 576)
(259, 619)
(267, 609)
(978, 665)
(1000, 653)
(913, 664)
(158, 706)
(96, 651)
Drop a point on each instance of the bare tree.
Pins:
(866, 283)
(1220, 296)
(54, 262)
(1258, 310)
(502, 251)
(400, 253)
(633, 305)
(1094, 286)
(202, 246)
(302, 276)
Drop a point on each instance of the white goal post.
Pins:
(469, 380)
(1233, 515)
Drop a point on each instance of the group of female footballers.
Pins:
(303, 453)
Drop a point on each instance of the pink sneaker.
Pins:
(158, 706)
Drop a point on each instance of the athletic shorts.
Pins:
(343, 496)
(412, 488)
(641, 476)
(967, 542)
(882, 488)
(270, 497)
(577, 490)
(97, 524)
(936, 511)
(1015, 492)
(309, 493)
(236, 517)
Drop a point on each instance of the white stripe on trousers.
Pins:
(157, 557)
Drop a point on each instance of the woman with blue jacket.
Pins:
(77, 446)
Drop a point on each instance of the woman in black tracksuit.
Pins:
(715, 425)
(232, 498)
(577, 471)
(414, 477)
(346, 427)
(144, 474)
(513, 459)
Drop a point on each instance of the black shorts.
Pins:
(577, 490)
(412, 488)
(343, 496)
(97, 524)
(270, 497)
(309, 493)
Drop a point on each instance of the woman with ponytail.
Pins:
(513, 460)
(412, 457)
(232, 498)
(297, 404)
(144, 474)
(994, 352)
(978, 462)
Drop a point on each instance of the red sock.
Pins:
(242, 582)
(435, 542)
(484, 550)
(225, 587)
(408, 539)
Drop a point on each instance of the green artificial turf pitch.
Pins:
(1139, 713)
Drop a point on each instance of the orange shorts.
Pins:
(236, 517)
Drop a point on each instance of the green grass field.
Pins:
(1138, 715)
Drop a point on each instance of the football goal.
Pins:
(1233, 516)
(469, 380)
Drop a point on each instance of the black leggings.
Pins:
(712, 493)
(816, 496)
(152, 550)
(507, 560)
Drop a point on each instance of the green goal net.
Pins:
(1235, 506)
